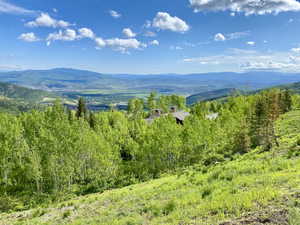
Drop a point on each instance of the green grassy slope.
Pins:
(256, 188)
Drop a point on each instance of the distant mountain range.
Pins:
(101, 90)
(70, 80)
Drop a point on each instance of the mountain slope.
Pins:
(210, 95)
(21, 93)
(62, 79)
(295, 87)
(257, 188)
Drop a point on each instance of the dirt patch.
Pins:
(268, 216)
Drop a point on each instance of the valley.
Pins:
(103, 90)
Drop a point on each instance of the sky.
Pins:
(151, 36)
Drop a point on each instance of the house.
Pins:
(212, 116)
(180, 116)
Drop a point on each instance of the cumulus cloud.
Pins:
(251, 43)
(66, 35)
(128, 33)
(164, 21)
(297, 50)
(220, 37)
(45, 20)
(115, 14)
(86, 33)
(248, 7)
(28, 37)
(100, 43)
(154, 42)
(118, 44)
(6, 7)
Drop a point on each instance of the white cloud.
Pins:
(220, 37)
(100, 42)
(45, 20)
(176, 48)
(148, 24)
(231, 36)
(9, 8)
(154, 42)
(128, 33)
(28, 37)
(250, 43)
(248, 7)
(86, 33)
(267, 66)
(115, 14)
(150, 34)
(237, 35)
(242, 60)
(165, 21)
(122, 45)
(297, 50)
(66, 35)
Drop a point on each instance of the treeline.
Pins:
(45, 155)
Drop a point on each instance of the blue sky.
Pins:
(150, 36)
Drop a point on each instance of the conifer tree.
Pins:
(81, 108)
(70, 115)
(287, 101)
(151, 101)
(92, 120)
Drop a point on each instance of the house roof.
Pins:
(212, 116)
(181, 115)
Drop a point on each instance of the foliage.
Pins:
(53, 154)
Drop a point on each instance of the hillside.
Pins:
(256, 188)
(15, 99)
(295, 87)
(12, 91)
(210, 95)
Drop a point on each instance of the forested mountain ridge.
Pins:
(15, 99)
(65, 80)
(12, 91)
(211, 95)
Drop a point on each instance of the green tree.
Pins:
(81, 108)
